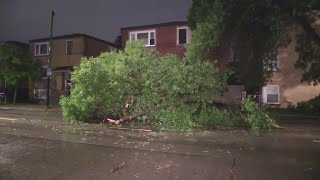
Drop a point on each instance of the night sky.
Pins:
(22, 20)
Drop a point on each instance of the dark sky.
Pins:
(22, 20)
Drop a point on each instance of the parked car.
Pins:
(2, 94)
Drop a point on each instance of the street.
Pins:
(35, 144)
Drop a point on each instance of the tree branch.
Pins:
(126, 118)
(303, 21)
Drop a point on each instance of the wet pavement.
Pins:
(35, 144)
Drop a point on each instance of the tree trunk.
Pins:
(15, 95)
(5, 91)
(127, 118)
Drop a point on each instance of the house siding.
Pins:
(60, 58)
(82, 46)
(95, 48)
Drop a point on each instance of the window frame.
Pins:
(265, 94)
(135, 33)
(37, 51)
(69, 53)
(187, 35)
(277, 61)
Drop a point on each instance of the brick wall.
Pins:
(166, 39)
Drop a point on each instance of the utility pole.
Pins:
(49, 71)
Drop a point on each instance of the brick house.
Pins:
(66, 54)
(165, 38)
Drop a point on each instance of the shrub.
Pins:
(312, 106)
(256, 118)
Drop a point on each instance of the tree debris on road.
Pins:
(117, 168)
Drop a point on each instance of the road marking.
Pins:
(9, 119)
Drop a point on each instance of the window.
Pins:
(44, 72)
(41, 49)
(271, 94)
(271, 61)
(40, 94)
(183, 36)
(275, 62)
(69, 46)
(148, 37)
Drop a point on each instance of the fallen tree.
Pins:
(122, 86)
(138, 84)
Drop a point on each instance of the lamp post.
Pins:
(49, 72)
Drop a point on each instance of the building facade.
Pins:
(284, 87)
(67, 52)
(172, 38)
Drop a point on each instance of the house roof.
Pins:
(15, 43)
(71, 36)
(176, 23)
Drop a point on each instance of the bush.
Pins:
(136, 80)
(311, 107)
(256, 118)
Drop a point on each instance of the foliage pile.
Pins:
(137, 82)
(255, 117)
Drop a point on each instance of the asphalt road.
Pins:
(36, 145)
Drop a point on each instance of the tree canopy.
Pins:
(17, 65)
(257, 29)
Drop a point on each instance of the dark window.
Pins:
(63, 81)
(44, 70)
(182, 36)
(152, 42)
(152, 39)
(69, 46)
(44, 49)
(272, 98)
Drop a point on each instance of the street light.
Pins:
(49, 72)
